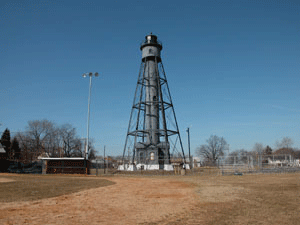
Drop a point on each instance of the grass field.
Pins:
(250, 199)
(34, 187)
(206, 199)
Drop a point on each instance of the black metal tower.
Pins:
(153, 135)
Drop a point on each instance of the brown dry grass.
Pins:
(130, 200)
(203, 199)
(250, 199)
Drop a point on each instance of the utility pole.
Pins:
(104, 160)
(188, 131)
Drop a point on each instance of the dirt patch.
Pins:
(129, 201)
(5, 180)
(219, 193)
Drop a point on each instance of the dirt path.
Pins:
(129, 201)
(4, 180)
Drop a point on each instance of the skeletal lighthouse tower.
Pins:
(153, 135)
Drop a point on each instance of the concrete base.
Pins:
(187, 166)
(147, 167)
(168, 167)
(131, 168)
(121, 167)
(127, 167)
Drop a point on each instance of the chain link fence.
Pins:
(226, 165)
(101, 166)
(258, 164)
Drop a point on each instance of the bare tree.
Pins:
(69, 140)
(258, 148)
(79, 149)
(214, 148)
(43, 136)
(25, 143)
(286, 142)
(52, 142)
(40, 132)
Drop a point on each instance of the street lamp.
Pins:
(90, 74)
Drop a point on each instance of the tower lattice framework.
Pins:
(153, 135)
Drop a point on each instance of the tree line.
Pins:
(216, 147)
(43, 138)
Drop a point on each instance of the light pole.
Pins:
(90, 74)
